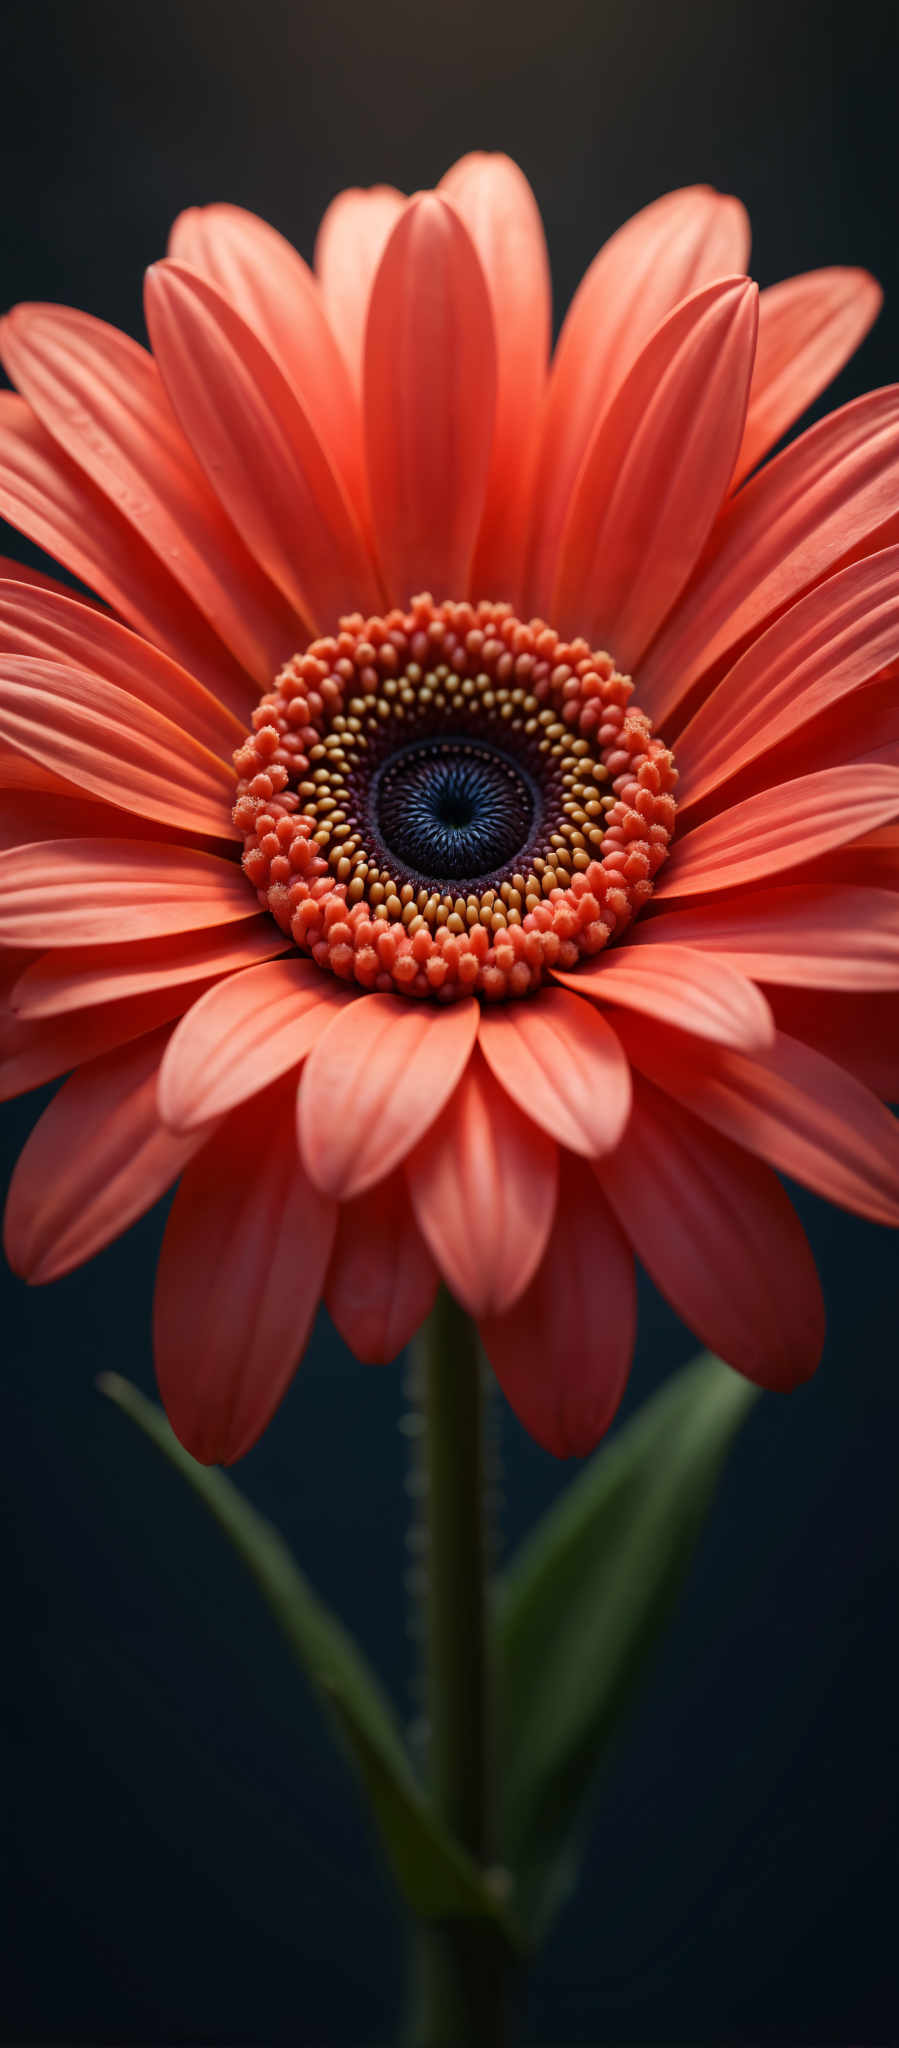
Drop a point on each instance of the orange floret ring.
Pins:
(447, 800)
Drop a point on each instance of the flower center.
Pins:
(449, 799)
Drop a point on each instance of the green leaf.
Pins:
(582, 1605)
(434, 1872)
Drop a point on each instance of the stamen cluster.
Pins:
(557, 712)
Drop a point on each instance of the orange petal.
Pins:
(778, 828)
(59, 627)
(97, 1159)
(256, 443)
(720, 1239)
(501, 215)
(100, 397)
(669, 250)
(36, 1050)
(793, 524)
(69, 979)
(348, 249)
(794, 1107)
(682, 986)
(374, 1082)
(655, 473)
(862, 727)
(51, 501)
(483, 1185)
(241, 1035)
(563, 1064)
(563, 1352)
(382, 1279)
(20, 572)
(824, 648)
(27, 779)
(429, 403)
(266, 281)
(243, 1259)
(816, 934)
(114, 745)
(33, 813)
(809, 326)
(94, 892)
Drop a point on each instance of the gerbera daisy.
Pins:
(459, 842)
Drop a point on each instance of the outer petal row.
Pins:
(256, 443)
(98, 1158)
(673, 248)
(827, 495)
(100, 397)
(45, 495)
(655, 473)
(429, 400)
(275, 293)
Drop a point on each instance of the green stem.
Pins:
(460, 1965)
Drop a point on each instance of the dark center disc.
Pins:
(454, 811)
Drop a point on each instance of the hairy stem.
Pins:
(460, 1965)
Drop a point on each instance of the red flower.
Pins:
(495, 956)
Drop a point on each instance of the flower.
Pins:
(540, 920)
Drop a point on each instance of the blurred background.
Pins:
(185, 1859)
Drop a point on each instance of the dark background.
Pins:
(186, 1861)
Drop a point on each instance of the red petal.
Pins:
(374, 1082)
(382, 1279)
(255, 441)
(835, 639)
(655, 473)
(808, 328)
(66, 979)
(483, 1185)
(563, 1353)
(820, 935)
(243, 1260)
(94, 892)
(563, 1064)
(348, 249)
(241, 1035)
(109, 742)
(792, 525)
(56, 626)
(273, 290)
(861, 1034)
(500, 212)
(792, 1106)
(669, 250)
(48, 498)
(871, 861)
(778, 828)
(721, 1241)
(96, 1160)
(429, 400)
(681, 986)
(99, 395)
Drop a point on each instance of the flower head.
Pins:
(459, 839)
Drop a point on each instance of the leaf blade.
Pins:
(582, 1604)
(432, 1869)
